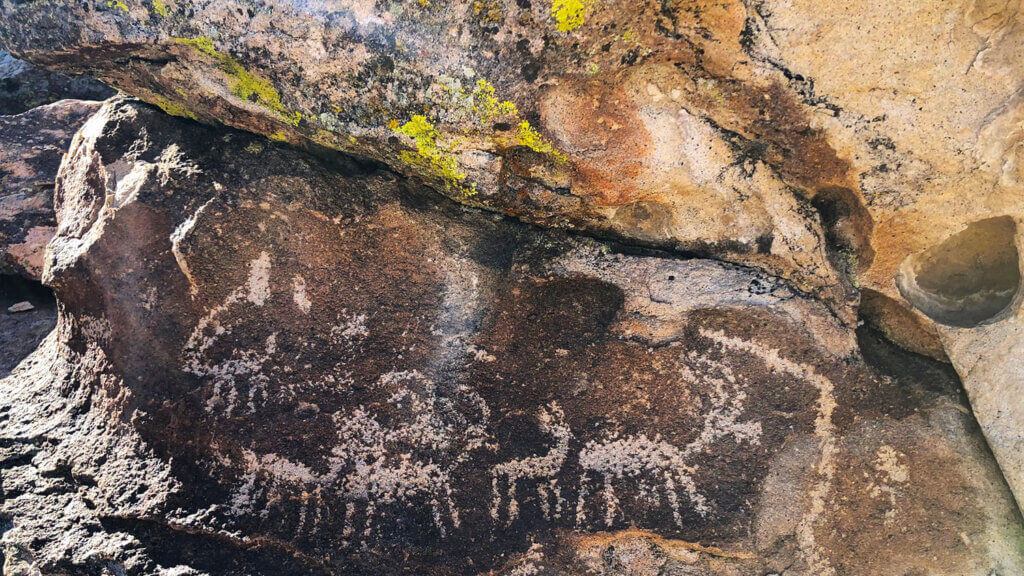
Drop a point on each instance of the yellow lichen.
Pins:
(431, 156)
(487, 105)
(244, 84)
(568, 14)
(174, 108)
(529, 137)
(160, 8)
(279, 136)
(488, 10)
(117, 4)
(202, 44)
(481, 107)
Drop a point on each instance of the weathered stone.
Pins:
(634, 121)
(23, 306)
(828, 146)
(308, 365)
(970, 284)
(24, 86)
(33, 145)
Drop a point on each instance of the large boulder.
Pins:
(648, 123)
(274, 363)
(827, 146)
(31, 148)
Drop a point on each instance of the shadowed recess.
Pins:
(967, 279)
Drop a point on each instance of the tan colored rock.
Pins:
(931, 112)
(23, 306)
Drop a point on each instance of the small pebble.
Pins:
(24, 306)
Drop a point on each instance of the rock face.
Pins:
(655, 125)
(33, 145)
(24, 86)
(305, 365)
(831, 147)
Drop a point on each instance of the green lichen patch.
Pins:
(529, 137)
(487, 105)
(479, 113)
(160, 8)
(244, 84)
(174, 108)
(430, 155)
(118, 5)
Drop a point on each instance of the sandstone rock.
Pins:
(33, 144)
(309, 365)
(24, 86)
(970, 285)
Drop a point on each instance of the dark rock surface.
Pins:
(830, 143)
(31, 148)
(24, 86)
(21, 332)
(272, 363)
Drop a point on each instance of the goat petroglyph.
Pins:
(643, 459)
(542, 470)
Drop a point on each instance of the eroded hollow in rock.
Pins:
(967, 279)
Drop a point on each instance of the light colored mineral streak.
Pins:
(348, 328)
(259, 280)
(890, 471)
(177, 236)
(299, 295)
(543, 469)
(824, 430)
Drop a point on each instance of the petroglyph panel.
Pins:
(334, 366)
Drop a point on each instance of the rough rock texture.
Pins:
(24, 86)
(307, 365)
(831, 147)
(31, 148)
(970, 284)
(645, 122)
